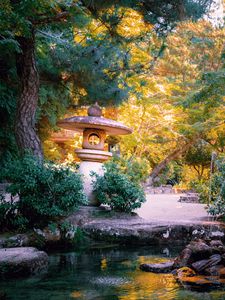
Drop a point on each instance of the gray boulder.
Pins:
(22, 261)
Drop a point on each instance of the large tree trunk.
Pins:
(25, 131)
(161, 166)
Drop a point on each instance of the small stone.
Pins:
(216, 243)
(192, 198)
(49, 235)
(185, 272)
(217, 234)
(165, 267)
(19, 240)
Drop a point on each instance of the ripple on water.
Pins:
(110, 281)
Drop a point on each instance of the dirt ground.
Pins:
(165, 208)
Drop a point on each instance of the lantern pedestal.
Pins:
(91, 162)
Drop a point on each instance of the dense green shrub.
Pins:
(117, 190)
(46, 192)
(217, 208)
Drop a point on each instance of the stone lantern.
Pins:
(95, 128)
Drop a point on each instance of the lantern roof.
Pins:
(96, 121)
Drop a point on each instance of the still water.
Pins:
(106, 273)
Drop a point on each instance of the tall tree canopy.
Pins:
(181, 102)
(52, 49)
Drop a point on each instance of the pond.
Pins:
(104, 273)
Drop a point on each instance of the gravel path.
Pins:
(165, 208)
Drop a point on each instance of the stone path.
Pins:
(165, 208)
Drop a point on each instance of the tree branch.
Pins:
(52, 19)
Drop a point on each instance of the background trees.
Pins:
(182, 100)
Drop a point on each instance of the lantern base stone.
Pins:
(86, 167)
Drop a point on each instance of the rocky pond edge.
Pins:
(96, 225)
(100, 225)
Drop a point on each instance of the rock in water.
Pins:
(189, 279)
(195, 251)
(185, 272)
(22, 261)
(216, 270)
(165, 267)
(201, 265)
(184, 258)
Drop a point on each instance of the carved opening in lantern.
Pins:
(93, 139)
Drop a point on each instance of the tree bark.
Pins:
(25, 132)
(161, 166)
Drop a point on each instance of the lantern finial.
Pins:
(94, 110)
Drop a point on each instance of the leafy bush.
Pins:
(117, 190)
(202, 188)
(170, 175)
(199, 157)
(218, 190)
(136, 169)
(46, 192)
